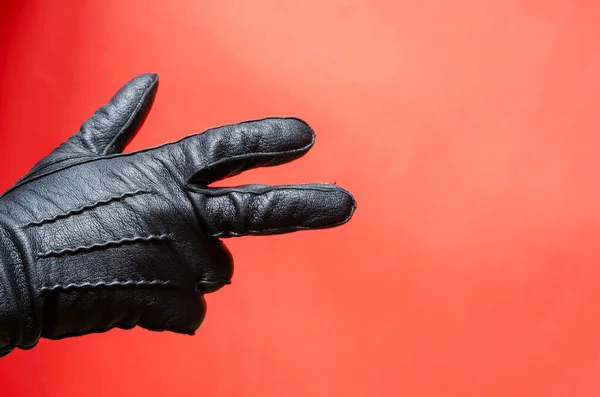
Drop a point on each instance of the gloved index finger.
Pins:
(226, 151)
(267, 210)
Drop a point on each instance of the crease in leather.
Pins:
(279, 230)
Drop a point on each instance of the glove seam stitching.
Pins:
(116, 243)
(86, 207)
(224, 191)
(34, 173)
(54, 287)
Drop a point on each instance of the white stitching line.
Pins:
(103, 284)
(83, 248)
(86, 207)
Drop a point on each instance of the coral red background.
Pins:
(469, 132)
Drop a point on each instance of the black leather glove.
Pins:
(92, 239)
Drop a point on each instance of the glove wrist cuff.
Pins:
(17, 325)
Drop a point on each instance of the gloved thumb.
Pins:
(113, 125)
(107, 132)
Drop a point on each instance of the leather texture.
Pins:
(93, 238)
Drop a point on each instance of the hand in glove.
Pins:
(92, 239)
